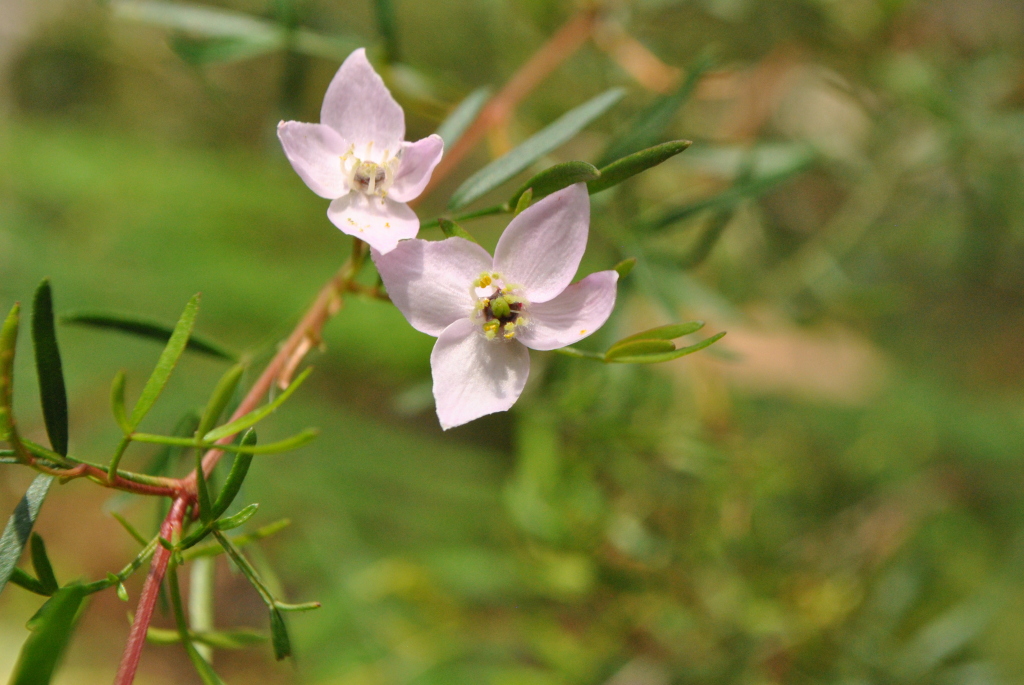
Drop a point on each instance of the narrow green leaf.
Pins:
(453, 230)
(52, 392)
(213, 549)
(223, 50)
(668, 356)
(466, 216)
(304, 606)
(579, 354)
(554, 178)
(203, 491)
(233, 483)
(650, 124)
(384, 12)
(19, 526)
(52, 628)
(130, 528)
(635, 348)
(532, 149)
(257, 415)
(238, 519)
(452, 128)
(631, 165)
(195, 19)
(42, 566)
(279, 635)
(122, 592)
(291, 443)
(144, 329)
(23, 579)
(669, 332)
(279, 632)
(8, 343)
(524, 201)
(117, 402)
(168, 360)
(220, 639)
(202, 666)
(219, 399)
(625, 266)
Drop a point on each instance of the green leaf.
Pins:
(524, 201)
(219, 399)
(667, 356)
(168, 360)
(669, 332)
(233, 483)
(238, 519)
(219, 639)
(23, 579)
(52, 392)
(279, 635)
(257, 415)
(453, 230)
(213, 549)
(130, 528)
(51, 631)
(304, 606)
(625, 266)
(553, 179)
(196, 19)
(42, 566)
(532, 149)
(19, 526)
(452, 128)
(122, 592)
(223, 50)
(278, 629)
(631, 165)
(202, 491)
(650, 124)
(144, 329)
(8, 343)
(117, 402)
(384, 12)
(202, 666)
(635, 348)
(294, 442)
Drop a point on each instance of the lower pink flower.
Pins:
(486, 312)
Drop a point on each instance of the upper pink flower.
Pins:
(357, 156)
(486, 312)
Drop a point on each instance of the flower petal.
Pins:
(418, 162)
(474, 376)
(542, 247)
(431, 283)
(359, 106)
(315, 152)
(580, 310)
(380, 222)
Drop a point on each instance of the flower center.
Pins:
(500, 309)
(370, 174)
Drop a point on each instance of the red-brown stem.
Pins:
(562, 45)
(150, 591)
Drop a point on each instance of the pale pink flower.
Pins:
(358, 158)
(486, 312)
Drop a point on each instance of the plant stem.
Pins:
(170, 530)
(562, 45)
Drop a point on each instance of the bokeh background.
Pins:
(831, 494)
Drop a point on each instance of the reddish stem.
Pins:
(150, 591)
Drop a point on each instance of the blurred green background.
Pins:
(831, 494)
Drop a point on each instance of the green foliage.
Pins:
(552, 180)
(51, 630)
(456, 123)
(533, 148)
(255, 416)
(19, 526)
(626, 167)
(453, 230)
(49, 370)
(145, 329)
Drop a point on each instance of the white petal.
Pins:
(359, 106)
(315, 152)
(474, 376)
(432, 282)
(381, 223)
(418, 162)
(542, 247)
(579, 311)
